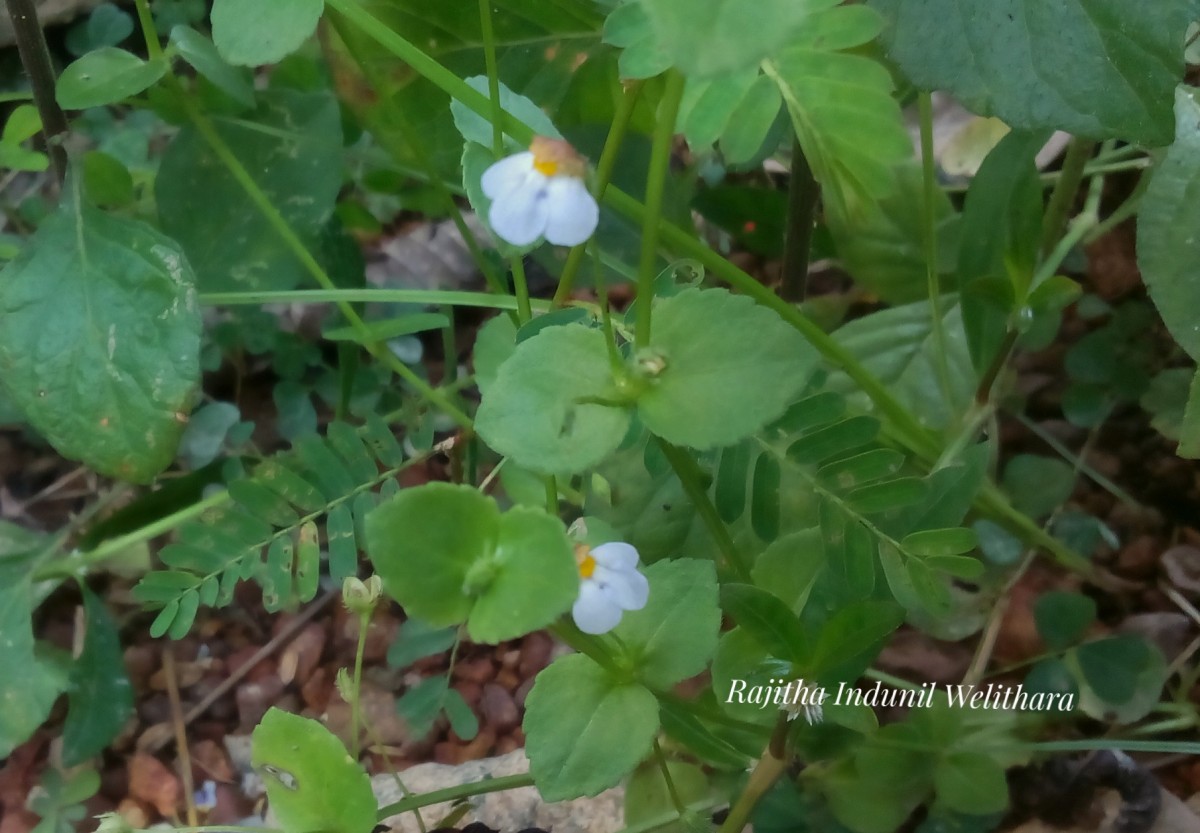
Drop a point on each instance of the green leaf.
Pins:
(764, 504)
(790, 565)
(263, 32)
(313, 785)
(1039, 65)
(629, 28)
(291, 147)
(887, 496)
(1002, 219)
(971, 782)
(421, 704)
(1189, 428)
(27, 696)
(204, 57)
(1110, 666)
(751, 122)
(100, 695)
(674, 635)
(106, 180)
(882, 245)
(506, 575)
(770, 622)
(462, 719)
(846, 120)
(585, 731)
(416, 640)
(708, 104)
(101, 340)
(718, 387)
(1063, 617)
(940, 542)
(1038, 485)
(833, 440)
(1167, 252)
(853, 630)
(475, 128)
(107, 25)
(106, 76)
(496, 341)
(710, 37)
(542, 408)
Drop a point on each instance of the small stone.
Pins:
(264, 668)
(523, 691)
(253, 700)
(140, 662)
(300, 658)
(1182, 566)
(317, 690)
(470, 692)
(135, 813)
(210, 759)
(477, 670)
(378, 711)
(498, 708)
(152, 782)
(536, 650)
(1139, 558)
(508, 679)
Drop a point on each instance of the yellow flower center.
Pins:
(583, 558)
(549, 167)
(554, 157)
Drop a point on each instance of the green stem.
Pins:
(488, 785)
(766, 772)
(493, 76)
(680, 807)
(364, 624)
(452, 298)
(149, 32)
(802, 202)
(604, 169)
(1079, 151)
(35, 57)
(1122, 213)
(656, 180)
(691, 478)
(301, 252)
(1077, 461)
(929, 246)
(521, 286)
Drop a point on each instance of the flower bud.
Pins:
(360, 596)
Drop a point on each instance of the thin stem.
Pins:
(1122, 213)
(364, 624)
(521, 286)
(690, 477)
(35, 57)
(656, 180)
(1077, 462)
(604, 169)
(802, 203)
(149, 31)
(680, 807)
(488, 785)
(482, 300)
(929, 246)
(1076, 231)
(493, 76)
(766, 772)
(1079, 151)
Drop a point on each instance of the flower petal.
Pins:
(627, 589)
(519, 216)
(506, 175)
(593, 611)
(573, 212)
(616, 555)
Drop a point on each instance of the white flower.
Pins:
(540, 193)
(610, 584)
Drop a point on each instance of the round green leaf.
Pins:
(424, 541)
(107, 181)
(1063, 617)
(203, 56)
(675, 634)
(100, 346)
(1110, 666)
(540, 411)
(585, 731)
(313, 784)
(535, 581)
(718, 385)
(971, 782)
(264, 31)
(106, 76)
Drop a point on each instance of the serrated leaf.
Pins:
(584, 731)
(106, 76)
(100, 346)
(1009, 58)
(265, 31)
(846, 120)
(542, 409)
(101, 698)
(717, 387)
(291, 146)
(313, 784)
(711, 37)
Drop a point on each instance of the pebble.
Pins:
(498, 708)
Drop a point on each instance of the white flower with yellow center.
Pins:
(540, 193)
(610, 584)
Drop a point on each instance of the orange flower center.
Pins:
(583, 558)
(549, 167)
